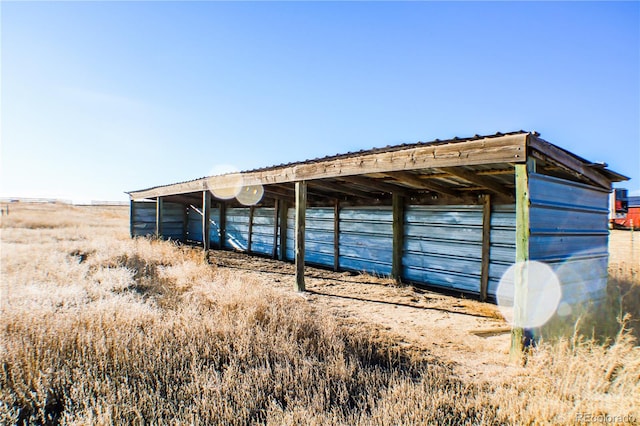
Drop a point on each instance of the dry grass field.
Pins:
(97, 328)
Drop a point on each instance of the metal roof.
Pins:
(447, 167)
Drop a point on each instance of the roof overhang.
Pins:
(451, 168)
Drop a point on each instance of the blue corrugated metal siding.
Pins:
(568, 223)
(214, 227)
(366, 239)
(443, 246)
(173, 217)
(262, 230)
(144, 218)
(442, 243)
(503, 244)
(318, 236)
(194, 225)
(291, 233)
(237, 229)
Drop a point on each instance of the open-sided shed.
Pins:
(452, 213)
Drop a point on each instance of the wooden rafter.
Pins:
(287, 193)
(483, 181)
(333, 188)
(551, 153)
(414, 181)
(278, 193)
(189, 199)
(374, 184)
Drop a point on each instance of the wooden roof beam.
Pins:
(323, 185)
(488, 150)
(574, 165)
(281, 190)
(185, 199)
(279, 195)
(413, 180)
(482, 181)
(288, 194)
(375, 184)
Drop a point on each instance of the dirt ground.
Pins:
(624, 247)
(472, 335)
(468, 333)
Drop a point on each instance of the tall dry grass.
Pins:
(624, 276)
(602, 320)
(101, 329)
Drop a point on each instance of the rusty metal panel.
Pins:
(443, 246)
(143, 220)
(262, 230)
(569, 231)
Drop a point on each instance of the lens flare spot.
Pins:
(583, 277)
(227, 186)
(250, 195)
(538, 302)
(564, 309)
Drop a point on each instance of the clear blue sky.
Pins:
(103, 97)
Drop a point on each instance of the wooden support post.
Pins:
(336, 235)
(301, 207)
(222, 223)
(252, 211)
(159, 208)
(185, 223)
(206, 219)
(132, 215)
(284, 214)
(486, 246)
(520, 285)
(276, 214)
(398, 236)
